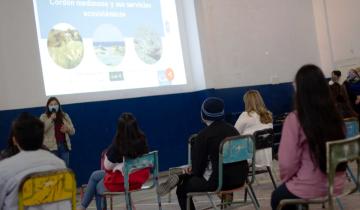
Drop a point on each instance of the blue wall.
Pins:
(167, 121)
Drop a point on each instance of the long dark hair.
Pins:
(129, 139)
(59, 113)
(317, 113)
(341, 98)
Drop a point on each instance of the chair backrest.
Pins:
(352, 127)
(149, 160)
(191, 141)
(264, 138)
(46, 188)
(235, 149)
(339, 152)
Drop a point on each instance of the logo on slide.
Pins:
(109, 44)
(166, 76)
(65, 45)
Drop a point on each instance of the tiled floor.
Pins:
(146, 200)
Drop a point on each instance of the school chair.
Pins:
(232, 149)
(49, 189)
(179, 169)
(149, 160)
(341, 151)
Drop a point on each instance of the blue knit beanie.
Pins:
(212, 109)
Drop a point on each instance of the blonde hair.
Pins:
(254, 103)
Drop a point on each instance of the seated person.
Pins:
(341, 99)
(335, 77)
(302, 152)
(203, 174)
(28, 134)
(130, 142)
(255, 117)
(10, 150)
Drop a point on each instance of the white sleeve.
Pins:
(108, 165)
(240, 124)
(2, 192)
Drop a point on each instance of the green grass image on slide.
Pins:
(148, 45)
(65, 46)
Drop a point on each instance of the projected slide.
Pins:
(102, 45)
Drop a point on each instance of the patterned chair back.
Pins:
(235, 149)
(149, 160)
(50, 189)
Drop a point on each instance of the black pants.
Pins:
(282, 193)
(190, 183)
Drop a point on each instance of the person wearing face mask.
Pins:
(352, 85)
(58, 129)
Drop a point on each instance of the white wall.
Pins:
(249, 42)
(338, 31)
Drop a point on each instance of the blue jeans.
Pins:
(63, 153)
(95, 188)
(282, 193)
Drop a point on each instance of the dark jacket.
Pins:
(206, 147)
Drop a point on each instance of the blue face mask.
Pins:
(53, 108)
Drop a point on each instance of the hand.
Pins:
(64, 129)
(53, 116)
(357, 101)
(187, 170)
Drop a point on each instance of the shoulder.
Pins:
(43, 116)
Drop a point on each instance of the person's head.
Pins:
(129, 138)
(212, 109)
(53, 105)
(316, 111)
(353, 75)
(254, 103)
(28, 132)
(335, 76)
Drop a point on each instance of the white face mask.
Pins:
(53, 108)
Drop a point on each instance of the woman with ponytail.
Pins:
(302, 152)
(255, 117)
(129, 142)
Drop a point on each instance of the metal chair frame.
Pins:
(234, 156)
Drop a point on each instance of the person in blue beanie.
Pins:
(203, 174)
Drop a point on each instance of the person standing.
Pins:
(58, 129)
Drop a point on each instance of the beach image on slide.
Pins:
(65, 45)
(148, 45)
(109, 44)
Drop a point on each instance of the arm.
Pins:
(240, 124)
(48, 122)
(68, 123)
(199, 156)
(108, 165)
(290, 150)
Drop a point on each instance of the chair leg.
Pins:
(339, 203)
(211, 201)
(271, 176)
(252, 192)
(111, 203)
(245, 195)
(128, 201)
(351, 174)
(188, 202)
(159, 201)
(254, 200)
